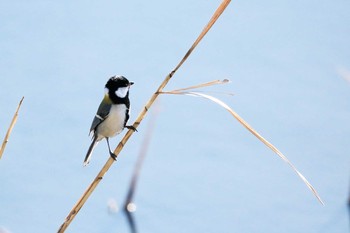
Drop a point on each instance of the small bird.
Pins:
(112, 114)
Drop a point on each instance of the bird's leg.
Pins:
(131, 127)
(110, 152)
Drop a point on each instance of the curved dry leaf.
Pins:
(256, 134)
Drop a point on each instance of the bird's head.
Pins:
(118, 86)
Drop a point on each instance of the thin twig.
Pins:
(137, 122)
(13, 122)
(136, 174)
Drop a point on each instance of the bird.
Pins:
(112, 115)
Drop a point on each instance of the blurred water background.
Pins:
(289, 66)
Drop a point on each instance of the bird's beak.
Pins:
(131, 83)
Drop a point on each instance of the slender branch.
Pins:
(129, 201)
(137, 122)
(13, 122)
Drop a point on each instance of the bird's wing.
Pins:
(102, 113)
(127, 104)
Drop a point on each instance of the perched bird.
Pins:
(112, 114)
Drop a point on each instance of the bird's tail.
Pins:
(89, 152)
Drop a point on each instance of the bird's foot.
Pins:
(131, 127)
(113, 156)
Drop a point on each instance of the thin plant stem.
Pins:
(13, 122)
(348, 203)
(137, 122)
(137, 170)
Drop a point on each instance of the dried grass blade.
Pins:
(13, 122)
(218, 92)
(256, 134)
(207, 84)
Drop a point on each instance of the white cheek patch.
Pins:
(122, 92)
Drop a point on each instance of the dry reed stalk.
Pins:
(13, 122)
(247, 126)
(137, 122)
(129, 204)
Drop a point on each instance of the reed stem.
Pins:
(13, 122)
(140, 117)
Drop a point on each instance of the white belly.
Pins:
(114, 123)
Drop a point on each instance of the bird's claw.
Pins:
(131, 127)
(113, 156)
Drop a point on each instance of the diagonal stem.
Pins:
(13, 122)
(137, 122)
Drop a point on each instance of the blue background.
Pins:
(289, 66)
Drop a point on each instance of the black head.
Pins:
(118, 88)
